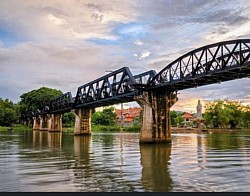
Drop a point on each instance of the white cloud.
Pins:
(138, 43)
(66, 20)
(55, 20)
(144, 54)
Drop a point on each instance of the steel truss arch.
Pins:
(209, 64)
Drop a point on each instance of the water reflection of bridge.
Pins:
(104, 162)
(109, 169)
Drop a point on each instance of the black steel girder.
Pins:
(210, 64)
(61, 104)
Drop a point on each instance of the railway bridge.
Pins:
(155, 92)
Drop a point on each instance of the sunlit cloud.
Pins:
(55, 20)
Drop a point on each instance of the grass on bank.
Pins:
(16, 127)
(95, 128)
(113, 129)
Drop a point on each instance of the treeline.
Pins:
(11, 113)
(227, 114)
(220, 113)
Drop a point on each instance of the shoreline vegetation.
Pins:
(135, 129)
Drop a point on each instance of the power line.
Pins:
(189, 27)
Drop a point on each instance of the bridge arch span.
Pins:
(209, 64)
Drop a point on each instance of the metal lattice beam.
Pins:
(61, 104)
(106, 90)
(214, 63)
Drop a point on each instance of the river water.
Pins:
(114, 162)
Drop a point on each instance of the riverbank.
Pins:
(207, 130)
(113, 129)
(16, 127)
(95, 128)
(137, 129)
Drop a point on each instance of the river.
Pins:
(116, 162)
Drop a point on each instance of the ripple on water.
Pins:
(116, 162)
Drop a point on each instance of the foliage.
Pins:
(132, 129)
(103, 128)
(226, 114)
(68, 119)
(36, 99)
(246, 116)
(106, 117)
(8, 114)
(15, 127)
(176, 118)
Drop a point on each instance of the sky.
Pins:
(65, 44)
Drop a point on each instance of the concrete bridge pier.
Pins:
(44, 122)
(82, 121)
(48, 122)
(55, 123)
(36, 122)
(156, 115)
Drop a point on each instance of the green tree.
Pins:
(173, 118)
(106, 117)
(36, 99)
(8, 113)
(216, 115)
(68, 119)
(246, 116)
(176, 118)
(225, 114)
(234, 109)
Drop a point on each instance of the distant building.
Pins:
(199, 109)
(126, 116)
(188, 117)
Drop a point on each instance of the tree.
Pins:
(226, 114)
(68, 119)
(8, 114)
(246, 116)
(176, 118)
(36, 99)
(216, 115)
(106, 117)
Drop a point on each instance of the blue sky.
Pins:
(65, 44)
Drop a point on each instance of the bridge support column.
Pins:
(83, 121)
(55, 123)
(156, 116)
(44, 122)
(36, 123)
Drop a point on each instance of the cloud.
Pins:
(144, 54)
(63, 44)
(138, 43)
(1, 44)
(226, 90)
(30, 66)
(68, 20)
